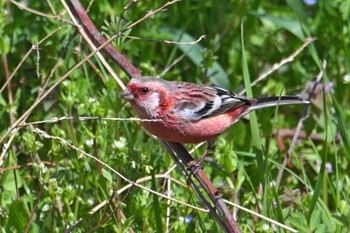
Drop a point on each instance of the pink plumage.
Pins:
(191, 113)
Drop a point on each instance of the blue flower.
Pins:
(310, 2)
(187, 220)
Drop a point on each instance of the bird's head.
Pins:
(147, 95)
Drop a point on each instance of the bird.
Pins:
(189, 113)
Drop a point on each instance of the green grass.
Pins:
(49, 180)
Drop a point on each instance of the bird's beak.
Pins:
(127, 95)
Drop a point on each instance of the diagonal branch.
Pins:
(94, 34)
(226, 220)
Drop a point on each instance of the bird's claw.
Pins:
(194, 167)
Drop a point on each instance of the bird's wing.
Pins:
(196, 102)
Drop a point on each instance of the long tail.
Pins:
(266, 102)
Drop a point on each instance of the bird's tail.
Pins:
(272, 101)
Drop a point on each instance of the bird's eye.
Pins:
(144, 90)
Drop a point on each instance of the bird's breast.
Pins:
(181, 131)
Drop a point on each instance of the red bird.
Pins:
(191, 113)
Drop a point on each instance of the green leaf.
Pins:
(106, 174)
(2, 101)
(240, 178)
(322, 228)
(344, 8)
(315, 219)
(291, 25)
(156, 207)
(252, 115)
(298, 221)
(300, 12)
(9, 191)
(18, 215)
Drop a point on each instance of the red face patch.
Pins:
(132, 88)
(139, 91)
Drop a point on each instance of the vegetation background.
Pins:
(48, 181)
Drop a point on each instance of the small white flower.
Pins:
(120, 144)
(90, 201)
(53, 180)
(92, 99)
(346, 78)
(266, 226)
(43, 168)
(89, 142)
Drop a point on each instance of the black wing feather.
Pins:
(228, 101)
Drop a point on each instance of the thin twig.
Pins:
(51, 7)
(6, 147)
(38, 74)
(167, 219)
(177, 60)
(21, 6)
(260, 216)
(168, 41)
(73, 226)
(9, 88)
(151, 13)
(30, 220)
(82, 118)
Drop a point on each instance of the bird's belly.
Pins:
(190, 132)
